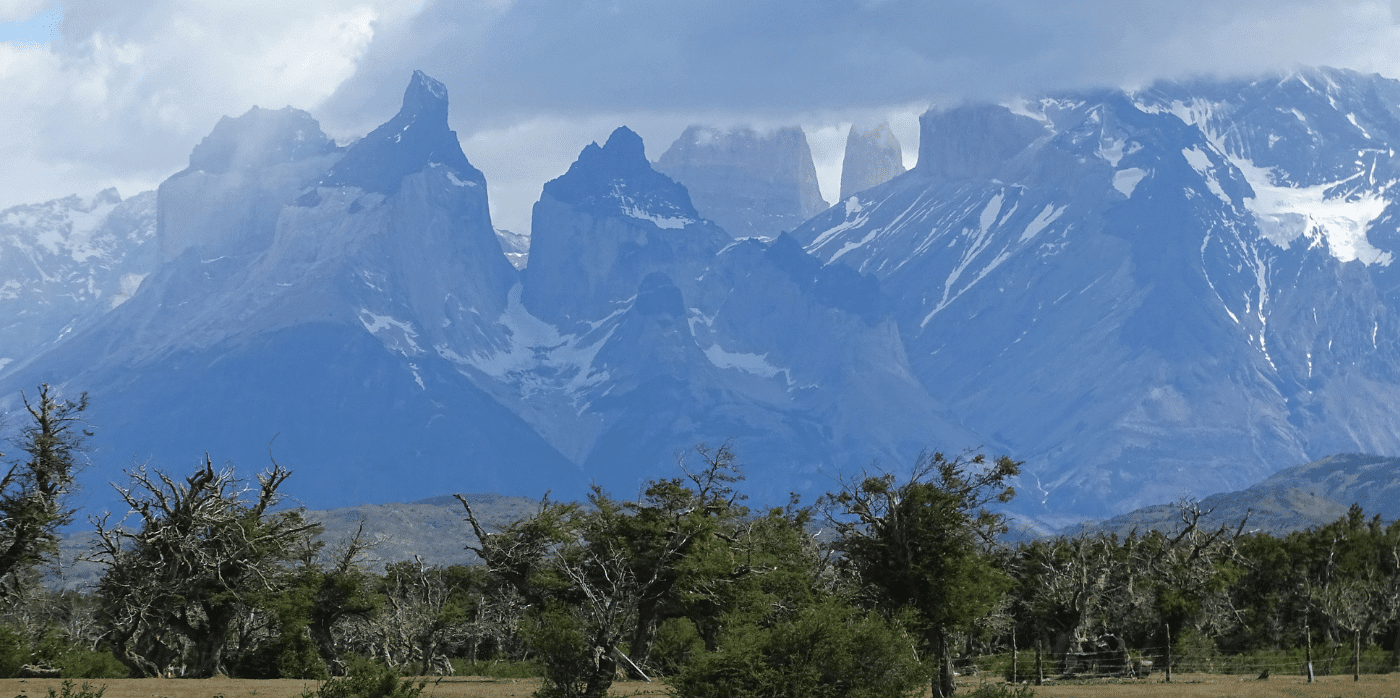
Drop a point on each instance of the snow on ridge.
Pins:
(981, 239)
(1284, 213)
(856, 216)
(756, 364)
(127, 286)
(631, 209)
(663, 222)
(1043, 220)
(396, 334)
(1200, 162)
(1022, 107)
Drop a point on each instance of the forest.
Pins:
(890, 585)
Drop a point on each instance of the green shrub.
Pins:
(1001, 690)
(84, 691)
(564, 652)
(82, 663)
(14, 652)
(1194, 651)
(828, 650)
(677, 640)
(367, 679)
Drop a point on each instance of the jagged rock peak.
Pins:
(426, 97)
(873, 157)
(616, 179)
(751, 184)
(972, 141)
(416, 138)
(260, 138)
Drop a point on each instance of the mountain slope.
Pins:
(65, 263)
(1100, 281)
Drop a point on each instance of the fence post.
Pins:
(1307, 636)
(1169, 652)
(1356, 668)
(1015, 658)
(1039, 670)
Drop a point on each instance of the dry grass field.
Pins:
(1231, 686)
(449, 687)
(1182, 686)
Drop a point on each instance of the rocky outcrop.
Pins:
(873, 157)
(750, 184)
(603, 226)
(515, 246)
(227, 201)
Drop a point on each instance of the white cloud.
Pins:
(20, 10)
(130, 87)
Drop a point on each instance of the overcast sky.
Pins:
(96, 93)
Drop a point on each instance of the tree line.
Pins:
(886, 586)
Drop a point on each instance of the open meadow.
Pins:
(1182, 686)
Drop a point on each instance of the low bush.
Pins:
(367, 679)
(1001, 690)
(828, 650)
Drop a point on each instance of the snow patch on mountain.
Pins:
(631, 209)
(979, 240)
(539, 357)
(1048, 215)
(757, 364)
(1126, 181)
(397, 335)
(1284, 213)
(1324, 211)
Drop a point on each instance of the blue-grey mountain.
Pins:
(751, 184)
(349, 311)
(873, 157)
(1173, 291)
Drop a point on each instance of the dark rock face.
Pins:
(873, 157)
(747, 183)
(603, 226)
(415, 138)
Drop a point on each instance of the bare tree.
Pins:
(176, 583)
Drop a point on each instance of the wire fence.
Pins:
(1149, 662)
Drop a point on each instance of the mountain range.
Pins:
(1142, 294)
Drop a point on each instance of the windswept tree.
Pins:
(34, 490)
(600, 579)
(198, 556)
(920, 545)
